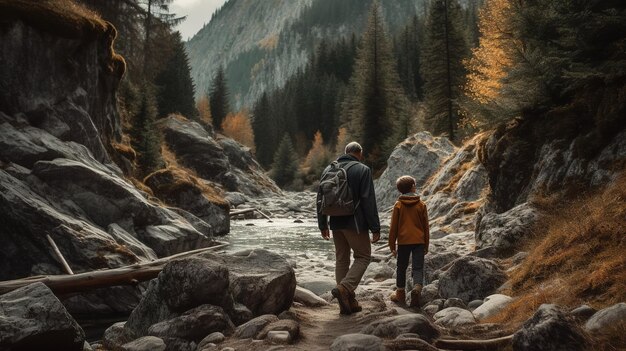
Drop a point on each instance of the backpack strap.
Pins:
(349, 165)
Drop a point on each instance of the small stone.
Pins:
(454, 302)
(607, 319)
(454, 317)
(583, 312)
(211, 339)
(474, 304)
(298, 221)
(146, 343)
(357, 342)
(431, 309)
(492, 305)
(279, 337)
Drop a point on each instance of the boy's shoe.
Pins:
(354, 304)
(415, 296)
(399, 296)
(343, 297)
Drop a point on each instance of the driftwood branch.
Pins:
(128, 275)
(59, 255)
(488, 344)
(248, 210)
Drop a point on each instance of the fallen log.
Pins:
(127, 275)
(248, 210)
(487, 344)
(59, 255)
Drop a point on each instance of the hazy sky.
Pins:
(198, 13)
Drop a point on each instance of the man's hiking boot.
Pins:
(343, 297)
(399, 296)
(354, 304)
(415, 296)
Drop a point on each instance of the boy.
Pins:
(409, 227)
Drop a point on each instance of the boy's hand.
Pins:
(394, 253)
(375, 237)
(326, 234)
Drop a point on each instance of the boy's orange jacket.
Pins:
(409, 222)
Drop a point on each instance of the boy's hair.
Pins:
(405, 183)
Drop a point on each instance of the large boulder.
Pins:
(261, 281)
(420, 156)
(199, 197)
(504, 231)
(215, 158)
(550, 329)
(470, 278)
(32, 318)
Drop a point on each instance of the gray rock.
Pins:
(357, 342)
(491, 306)
(420, 156)
(470, 278)
(279, 337)
(454, 302)
(429, 293)
(286, 325)
(378, 271)
(203, 199)
(318, 286)
(505, 230)
(435, 262)
(194, 281)
(116, 336)
(263, 281)
(194, 324)
(474, 304)
(240, 314)
(549, 329)
(308, 298)
(32, 318)
(454, 317)
(431, 309)
(391, 327)
(583, 312)
(251, 328)
(607, 319)
(235, 198)
(211, 339)
(146, 343)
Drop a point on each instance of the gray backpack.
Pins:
(334, 196)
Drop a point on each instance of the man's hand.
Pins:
(375, 237)
(326, 234)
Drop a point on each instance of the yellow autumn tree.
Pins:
(495, 54)
(342, 140)
(318, 157)
(238, 127)
(204, 110)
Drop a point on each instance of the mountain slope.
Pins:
(262, 43)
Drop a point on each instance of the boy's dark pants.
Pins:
(417, 252)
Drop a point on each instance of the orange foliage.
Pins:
(204, 109)
(494, 55)
(318, 154)
(238, 127)
(342, 140)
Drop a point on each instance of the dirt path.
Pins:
(320, 326)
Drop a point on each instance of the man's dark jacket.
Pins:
(362, 186)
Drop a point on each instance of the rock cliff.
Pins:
(60, 172)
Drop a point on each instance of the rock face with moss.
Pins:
(215, 158)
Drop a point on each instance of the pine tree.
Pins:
(145, 138)
(442, 66)
(175, 86)
(285, 166)
(218, 97)
(377, 101)
(263, 125)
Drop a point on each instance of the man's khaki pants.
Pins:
(345, 240)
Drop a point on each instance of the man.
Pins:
(351, 232)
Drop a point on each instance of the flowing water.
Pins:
(282, 236)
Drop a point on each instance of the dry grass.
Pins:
(578, 257)
(180, 179)
(125, 150)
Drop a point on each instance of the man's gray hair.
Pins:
(353, 148)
